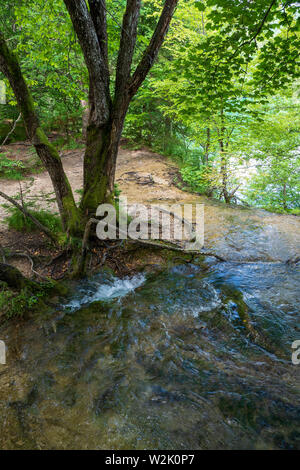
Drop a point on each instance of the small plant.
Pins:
(295, 211)
(73, 144)
(11, 169)
(16, 304)
(18, 221)
(117, 192)
(119, 211)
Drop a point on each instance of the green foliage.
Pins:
(220, 66)
(8, 116)
(17, 304)
(275, 145)
(276, 188)
(197, 178)
(42, 35)
(117, 192)
(17, 220)
(10, 169)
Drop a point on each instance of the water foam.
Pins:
(105, 290)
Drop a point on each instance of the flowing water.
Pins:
(192, 357)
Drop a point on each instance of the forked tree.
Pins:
(107, 111)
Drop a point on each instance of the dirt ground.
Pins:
(142, 176)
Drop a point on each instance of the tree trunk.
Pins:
(284, 197)
(224, 179)
(48, 154)
(100, 163)
(224, 170)
(168, 132)
(207, 146)
(85, 117)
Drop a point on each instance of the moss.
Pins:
(96, 189)
(73, 219)
(239, 407)
(96, 193)
(234, 296)
(43, 140)
(253, 331)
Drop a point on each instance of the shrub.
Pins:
(198, 179)
(16, 304)
(18, 221)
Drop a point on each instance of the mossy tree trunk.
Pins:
(48, 154)
(100, 164)
(107, 113)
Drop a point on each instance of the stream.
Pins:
(197, 356)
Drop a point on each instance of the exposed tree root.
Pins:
(173, 247)
(57, 257)
(80, 265)
(26, 255)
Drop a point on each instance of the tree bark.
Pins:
(207, 146)
(100, 164)
(224, 169)
(10, 67)
(85, 117)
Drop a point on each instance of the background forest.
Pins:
(227, 111)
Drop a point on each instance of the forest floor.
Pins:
(239, 233)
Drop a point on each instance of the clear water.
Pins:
(190, 358)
